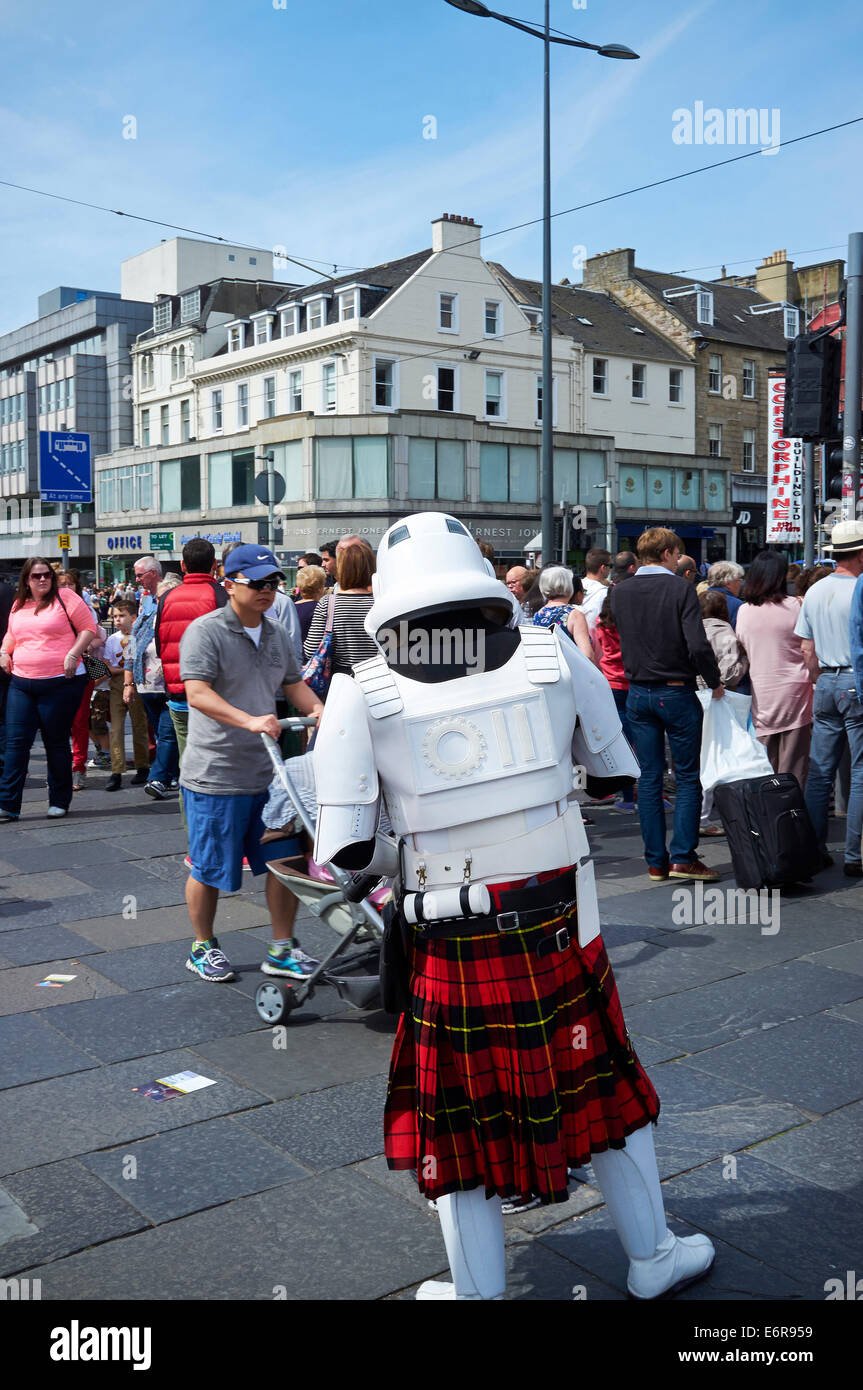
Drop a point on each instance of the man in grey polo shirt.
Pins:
(824, 625)
(234, 662)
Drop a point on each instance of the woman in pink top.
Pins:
(42, 652)
(781, 684)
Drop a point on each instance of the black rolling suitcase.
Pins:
(769, 832)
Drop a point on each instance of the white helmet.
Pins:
(430, 561)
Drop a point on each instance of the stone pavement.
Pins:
(271, 1182)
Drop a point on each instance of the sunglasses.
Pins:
(260, 585)
(40, 574)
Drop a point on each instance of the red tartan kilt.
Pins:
(508, 1069)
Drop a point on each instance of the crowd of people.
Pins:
(203, 663)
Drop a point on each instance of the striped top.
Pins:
(351, 643)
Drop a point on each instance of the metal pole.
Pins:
(547, 383)
(853, 370)
(808, 504)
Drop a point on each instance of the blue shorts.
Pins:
(223, 830)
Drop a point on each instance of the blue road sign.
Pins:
(64, 467)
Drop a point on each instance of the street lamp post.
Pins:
(610, 50)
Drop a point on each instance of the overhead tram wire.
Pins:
(487, 236)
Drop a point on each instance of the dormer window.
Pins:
(290, 318)
(792, 322)
(704, 310)
(190, 306)
(162, 315)
(236, 336)
(263, 324)
(316, 311)
(349, 305)
(532, 314)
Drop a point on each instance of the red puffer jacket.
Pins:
(198, 594)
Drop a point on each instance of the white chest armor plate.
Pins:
(473, 749)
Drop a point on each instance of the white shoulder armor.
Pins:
(598, 742)
(345, 776)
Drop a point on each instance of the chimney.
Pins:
(609, 268)
(454, 232)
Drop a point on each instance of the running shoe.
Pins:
(623, 805)
(102, 761)
(188, 863)
(512, 1205)
(157, 790)
(289, 961)
(210, 962)
(57, 811)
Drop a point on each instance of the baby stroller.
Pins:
(343, 904)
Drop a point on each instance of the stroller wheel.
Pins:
(274, 1001)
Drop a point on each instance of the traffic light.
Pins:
(833, 458)
(263, 531)
(812, 379)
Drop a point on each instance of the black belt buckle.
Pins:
(507, 921)
(562, 938)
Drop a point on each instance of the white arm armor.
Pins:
(346, 779)
(598, 742)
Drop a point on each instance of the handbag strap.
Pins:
(331, 612)
(66, 611)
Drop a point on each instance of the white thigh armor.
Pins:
(477, 772)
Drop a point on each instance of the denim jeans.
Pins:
(836, 712)
(620, 698)
(166, 764)
(47, 707)
(656, 711)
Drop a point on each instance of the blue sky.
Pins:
(303, 126)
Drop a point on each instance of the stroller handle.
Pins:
(297, 722)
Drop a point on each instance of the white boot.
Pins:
(473, 1235)
(659, 1262)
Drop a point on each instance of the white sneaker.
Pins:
(677, 1262)
(435, 1288)
(56, 811)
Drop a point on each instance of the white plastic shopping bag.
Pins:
(730, 752)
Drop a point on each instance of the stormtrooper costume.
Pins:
(511, 1063)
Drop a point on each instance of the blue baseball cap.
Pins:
(254, 561)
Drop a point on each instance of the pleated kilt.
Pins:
(507, 1070)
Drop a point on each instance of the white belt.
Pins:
(556, 845)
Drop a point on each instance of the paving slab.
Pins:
(826, 1151)
(82, 906)
(153, 1020)
(327, 1129)
(306, 1057)
(79, 1114)
(25, 858)
(746, 947)
(70, 1209)
(193, 1168)
(114, 931)
(847, 957)
(300, 1241)
(20, 992)
(32, 945)
(592, 1244)
(717, 1012)
(644, 971)
(157, 841)
(776, 1217)
(813, 1062)
(164, 963)
(700, 1121)
(650, 1052)
(853, 1011)
(30, 1050)
(46, 887)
